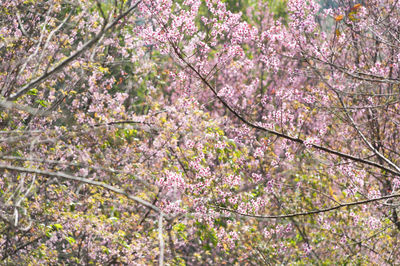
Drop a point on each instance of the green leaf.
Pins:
(70, 240)
(42, 103)
(33, 92)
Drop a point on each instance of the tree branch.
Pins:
(72, 57)
(276, 133)
(82, 180)
(33, 111)
(161, 238)
(354, 203)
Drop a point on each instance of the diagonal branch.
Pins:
(307, 213)
(73, 56)
(353, 123)
(82, 180)
(98, 168)
(276, 133)
(33, 111)
(363, 137)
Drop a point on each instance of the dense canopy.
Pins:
(199, 132)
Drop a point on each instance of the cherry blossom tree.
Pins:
(199, 132)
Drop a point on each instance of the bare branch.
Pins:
(380, 155)
(72, 57)
(110, 170)
(33, 111)
(355, 203)
(23, 29)
(161, 238)
(83, 180)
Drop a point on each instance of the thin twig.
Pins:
(355, 203)
(82, 180)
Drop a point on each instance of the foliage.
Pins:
(199, 132)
